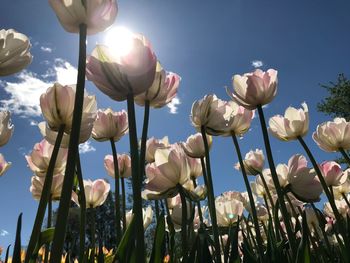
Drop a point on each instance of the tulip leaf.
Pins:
(7, 253)
(303, 255)
(158, 251)
(17, 249)
(126, 245)
(233, 242)
(203, 252)
(45, 237)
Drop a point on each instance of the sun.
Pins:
(119, 40)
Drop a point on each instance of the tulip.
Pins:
(57, 105)
(228, 211)
(97, 15)
(14, 52)
(39, 159)
(37, 187)
(147, 217)
(96, 193)
(282, 172)
(343, 189)
(294, 124)
(194, 145)
(331, 136)
(124, 165)
(4, 166)
(253, 162)
(255, 88)
(342, 207)
(152, 145)
(110, 125)
(6, 128)
(162, 90)
(195, 167)
(332, 173)
(118, 75)
(169, 170)
(176, 215)
(239, 119)
(303, 181)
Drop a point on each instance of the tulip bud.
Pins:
(195, 167)
(97, 15)
(96, 193)
(110, 125)
(332, 173)
(228, 211)
(253, 162)
(152, 145)
(14, 52)
(255, 88)
(344, 188)
(124, 165)
(38, 183)
(194, 146)
(6, 127)
(147, 217)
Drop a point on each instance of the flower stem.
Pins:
(286, 218)
(346, 157)
(116, 193)
(211, 198)
(45, 195)
(136, 181)
(183, 222)
(49, 216)
(123, 203)
(144, 138)
(198, 203)
(93, 234)
(63, 209)
(251, 200)
(267, 190)
(171, 231)
(82, 202)
(328, 193)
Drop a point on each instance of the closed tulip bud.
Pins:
(38, 183)
(97, 15)
(169, 170)
(255, 88)
(330, 136)
(162, 90)
(152, 145)
(303, 181)
(96, 193)
(124, 165)
(253, 162)
(110, 125)
(6, 127)
(118, 75)
(147, 217)
(57, 105)
(332, 173)
(4, 166)
(14, 52)
(294, 124)
(194, 146)
(195, 167)
(39, 159)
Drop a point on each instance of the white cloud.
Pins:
(3, 233)
(173, 105)
(33, 123)
(257, 63)
(86, 147)
(46, 49)
(24, 94)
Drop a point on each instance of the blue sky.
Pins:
(205, 42)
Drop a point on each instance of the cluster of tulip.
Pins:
(274, 220)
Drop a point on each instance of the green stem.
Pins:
(171, 231)
(251, 200)
(328, 193)
(346, 157)
(44, 196)
(267, 190)
(144, 139)
(183, 222)
(49, 216)
(63, 209)
(82, 202)
(290, 234)
(123, 203)
(198, 203)
(211, 198)
(136, 181)
(93, 234)
(116, 193)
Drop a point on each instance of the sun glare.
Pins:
(119, 40)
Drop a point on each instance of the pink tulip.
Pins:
(253, 162)
(295, 123)
(255, 88)
(344, 188)
(4, 166)
(118, 75)
(195, 167)
(124, 165)
(228, 211)
(332, 173)
(194, 146)
(110, 125)
(341, 205)
(330, 136)
(96, 193)
(162, 91)
(239, 119)
(57, 105)
(97, 15)
(37, 185)
(152, 145)
(14, 52)
(39, 159)
(147, 217)
(6, 127)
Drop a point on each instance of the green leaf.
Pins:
(126, 245)
(303, 255)
(17, 249)
(7, 253)
(158, 252)
(45, 237)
